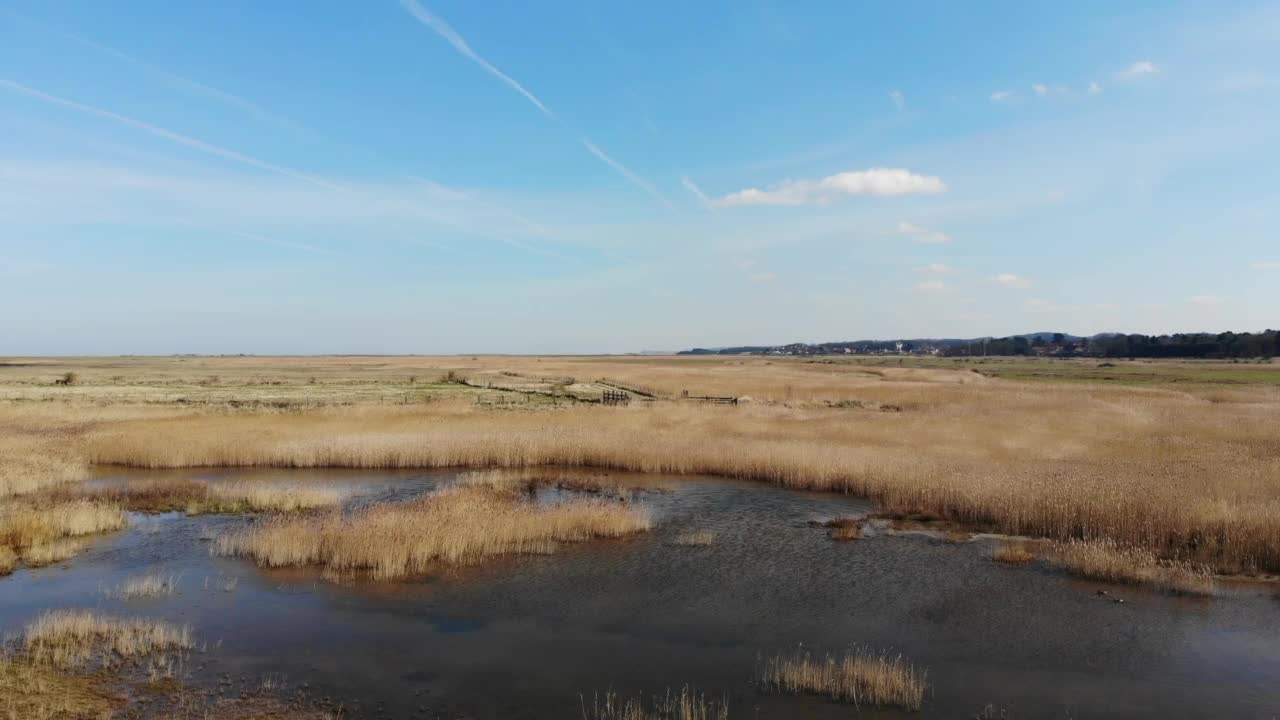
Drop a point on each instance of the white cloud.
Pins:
(1044, 90)
(444, 30)
(930, 286)
(692, 187)
(1204, 300)
(1094, 88)
(1138, 69)
(1266, 266)
(899, 101)
(921, 234)
(936, 269)
(1002, 95)
(763, 277)
(876, 181)
(1010, 280)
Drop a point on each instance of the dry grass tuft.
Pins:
(460, 525)
(8, 560)
(145, 586)
(52, 552)
(75, 638)
(36, 691)
(861, 677)
(686, 705)
(1014, 553)
(844, 529)
(1106, 560)
(700, 537)
(23, 525)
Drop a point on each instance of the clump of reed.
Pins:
(685, 705)
(698, 537)
(1109, 561)
(859, 676)
(214, 497)
(145, 586)
(844, 529)
(44, 535)
(1013, 553)
(458, 525)
(52, 552)
(234, 497)
(76, 638)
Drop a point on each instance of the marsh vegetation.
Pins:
(1163, 483)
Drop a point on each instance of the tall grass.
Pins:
(860, 677)
(685, 705)
(1163, 468)
(201, 497)
(44, 535)
(1109, 561)
(75, 638)
(459, 525)
(145, 586)
(8, 560)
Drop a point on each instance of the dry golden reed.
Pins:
(685, 705)
(1106, 560)
(145, 586)
(51, 552)
(75, 638)
(1012, 552)
(38, 691)
(8, 560)
(1185, 470)
(860, 676)
(458, 525)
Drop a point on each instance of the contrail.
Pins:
(166, 134)
(444, 30)
(626, 172)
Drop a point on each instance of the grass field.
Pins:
(1181, 459)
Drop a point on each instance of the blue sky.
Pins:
(438, 176)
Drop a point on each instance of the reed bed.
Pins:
(459, 525)
(860, 677)
(1106, 560)
(77, 638)
(1184, 471)
(204, 497)
(44, 535)
(685, 705)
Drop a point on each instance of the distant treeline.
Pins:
(1265, 344)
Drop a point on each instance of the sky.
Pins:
(482, 176)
